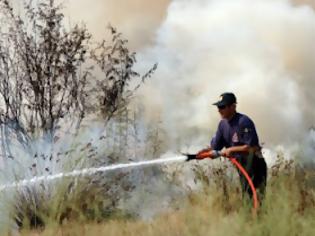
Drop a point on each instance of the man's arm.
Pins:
(239, 149)
(216, 143)
(248, 136)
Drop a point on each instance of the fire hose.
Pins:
(213, 154)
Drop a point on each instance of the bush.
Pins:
(56, 84)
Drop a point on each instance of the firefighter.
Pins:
(236, 136)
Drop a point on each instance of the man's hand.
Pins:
(227, 152)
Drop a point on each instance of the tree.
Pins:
(52, 78)
(50, 74)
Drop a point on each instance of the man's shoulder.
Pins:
(244, 119)
(223, 124)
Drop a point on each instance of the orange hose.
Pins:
(203, 155)
(249, 180)
(207, 154)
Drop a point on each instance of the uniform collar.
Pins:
(234, 117)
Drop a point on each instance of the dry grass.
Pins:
(288, 209)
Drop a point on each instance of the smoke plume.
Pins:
(261, 50)
(138, 19)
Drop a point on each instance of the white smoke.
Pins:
(127, 15)
(262, 50)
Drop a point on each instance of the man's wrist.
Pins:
(215, 153)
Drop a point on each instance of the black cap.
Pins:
(226, 99)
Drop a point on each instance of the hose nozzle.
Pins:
(203, 154)
(191, 157)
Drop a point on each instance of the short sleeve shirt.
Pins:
(240, 130)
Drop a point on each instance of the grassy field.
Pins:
(288, 209)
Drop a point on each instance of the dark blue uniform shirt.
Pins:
(240, 130)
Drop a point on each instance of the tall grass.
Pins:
(288, 209)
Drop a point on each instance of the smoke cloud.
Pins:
(262, 50)
(137, 19)
(310, 3)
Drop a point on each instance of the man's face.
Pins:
(227, 112)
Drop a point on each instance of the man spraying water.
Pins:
(236, 136)
(236, 133)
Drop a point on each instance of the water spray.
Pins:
(88, 172)
(94, 170)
